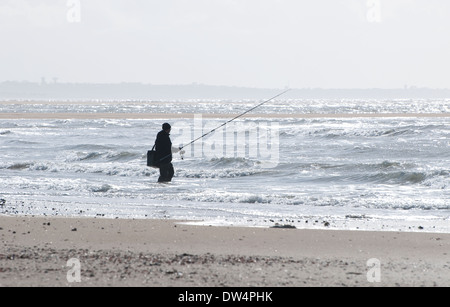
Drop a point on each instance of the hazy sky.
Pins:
(257, 43)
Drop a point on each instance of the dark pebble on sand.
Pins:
(277, 226)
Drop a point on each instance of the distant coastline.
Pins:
(12, 90)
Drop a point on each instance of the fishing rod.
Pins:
(232, 120)
(223, 125)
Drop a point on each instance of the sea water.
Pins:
(380, 173)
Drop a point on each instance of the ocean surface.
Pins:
(382, 173)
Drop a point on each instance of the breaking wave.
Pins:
(18, 166)
(128, 164)
(124, 156)
(342, 131)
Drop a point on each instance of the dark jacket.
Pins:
(163, 148)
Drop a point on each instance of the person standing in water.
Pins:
(164, 151)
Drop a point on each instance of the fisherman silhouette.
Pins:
(163, 156)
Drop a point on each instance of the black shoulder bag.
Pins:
(151, 158)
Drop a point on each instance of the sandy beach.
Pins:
(35, 252)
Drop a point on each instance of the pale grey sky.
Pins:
(256, 43)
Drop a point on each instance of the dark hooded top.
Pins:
(163, 148)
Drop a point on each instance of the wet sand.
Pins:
(35, 251)
(63, 116)
(85, 115)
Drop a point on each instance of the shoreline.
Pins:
(124, 252)
(62, 116)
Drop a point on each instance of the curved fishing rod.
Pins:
(232, 120)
